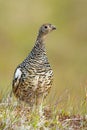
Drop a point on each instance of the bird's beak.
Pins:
(53, 27)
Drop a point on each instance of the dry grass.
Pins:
(18, 116)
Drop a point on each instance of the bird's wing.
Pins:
(16, 79)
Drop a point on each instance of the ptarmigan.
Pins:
(33, 77)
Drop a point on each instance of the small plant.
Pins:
(18, 116)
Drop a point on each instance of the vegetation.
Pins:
(16, 115)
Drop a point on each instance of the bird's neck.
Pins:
(40, 45)
(38, 50)
(41, 37)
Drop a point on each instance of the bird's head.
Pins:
(45, 29)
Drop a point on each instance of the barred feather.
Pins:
(33, 77)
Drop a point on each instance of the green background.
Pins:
(66, 47)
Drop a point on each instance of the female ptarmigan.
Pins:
(33, 77)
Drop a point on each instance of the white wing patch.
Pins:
(17, 76)
(18, 73)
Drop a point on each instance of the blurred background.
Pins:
(66, 47)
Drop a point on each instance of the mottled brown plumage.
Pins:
(33, 77)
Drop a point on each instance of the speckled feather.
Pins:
(33, 77)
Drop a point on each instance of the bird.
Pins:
(33, 78)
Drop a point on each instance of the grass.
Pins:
(19, 116)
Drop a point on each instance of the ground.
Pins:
(18, 116)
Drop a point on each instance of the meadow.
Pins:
(66, 47)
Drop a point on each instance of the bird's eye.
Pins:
(45, 27)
